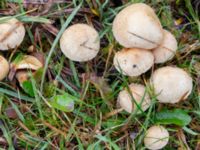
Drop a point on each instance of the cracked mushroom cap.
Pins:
(138, 26)
(4, 67)
(80, 42)
(167, 49)
(140, 96)
(134, 61)
(11, 34)
(156, 138)
(171, 84)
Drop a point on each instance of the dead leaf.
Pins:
(198, 146)
(39, 56)
(11, 113)
(101, 84)
(50, 28)
(182, 139)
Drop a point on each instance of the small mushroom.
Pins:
(167, 49)
(28, 62)
(134, 61)
(138, 26)
(126, 100)
(171, 84)
(11, 34)
(4, 67)
(156, 138)
(80, 42)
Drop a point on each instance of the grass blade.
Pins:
(65, 25)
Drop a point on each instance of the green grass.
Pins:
(38, 125)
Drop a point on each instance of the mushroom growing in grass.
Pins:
(137, 93)
(80, 42)
(134, 61)
(171, 84)
(138, 26)
(167, 49)
(26, 62)
(11, 34)
(4, 67)
(156, 138)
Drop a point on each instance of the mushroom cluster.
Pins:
(11, 36)
(145, 43)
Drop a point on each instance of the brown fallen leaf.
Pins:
(11, 113)
(198, 145)
(39, 56)
(101, 84)
(182, 139)
(50, 28)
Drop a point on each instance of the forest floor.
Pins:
(29, 119)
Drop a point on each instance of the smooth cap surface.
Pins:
(133, 62)
(171, 84)
(140, 96)
(80, 42)
(12, 33)
(28, 62)
(167, 49)
(137, 26)
(4, 67)
(156, 138)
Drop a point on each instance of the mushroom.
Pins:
(11, 34)
(27, 62)
(171, 84)
(137, 94)
(167, 49)
(138, 26)
(80, 42)
(156, 137)
(134, 61)
(4, 67)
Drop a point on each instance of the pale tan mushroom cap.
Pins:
(28, 62)
(80, 42)
(167, 49)
(12, 33)
(171, 84)
(4, 67)
(156, 138)
(133, 62)
(140, 96)
(138, 26)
